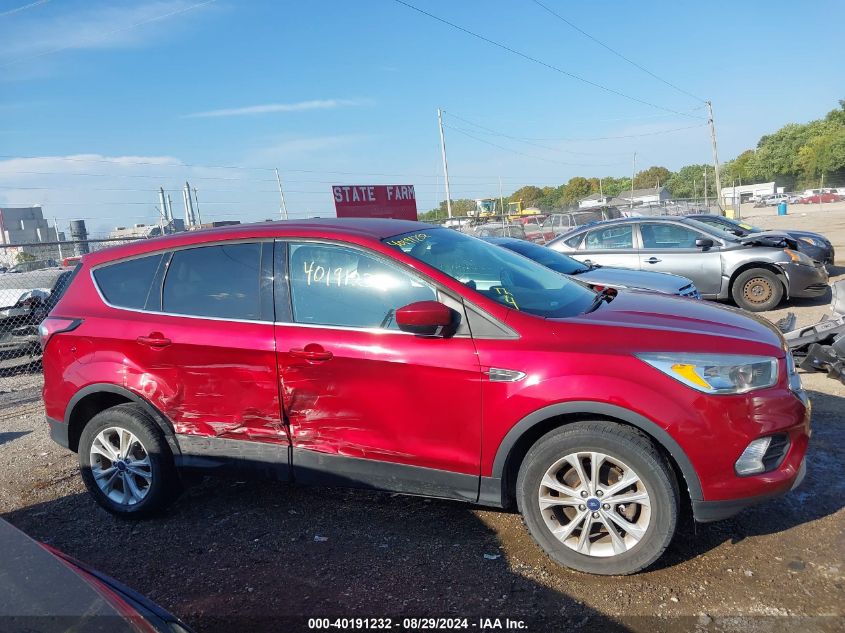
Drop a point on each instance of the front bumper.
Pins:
(708, 511)
(805, 281)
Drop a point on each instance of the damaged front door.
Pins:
(369, 405)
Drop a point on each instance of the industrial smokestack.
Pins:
(162, 201)
(79, 235)
(190, 217)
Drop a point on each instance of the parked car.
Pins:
(600, 277)
(36, 264)
(521, 231)
(25, 301)
(775, 199)
(45, 590)
(821, 198)
(412, 358)
(558, 223)
(814, 245)
(756, 271)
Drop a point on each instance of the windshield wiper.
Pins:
(601, 297)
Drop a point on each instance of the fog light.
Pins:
(751, 460)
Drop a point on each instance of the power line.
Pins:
(539, 61)
(529, 141)
(514, 151)
(23, 8)
(617, 53)
(107, 33)
(571, 139)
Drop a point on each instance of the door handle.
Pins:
(312, 352)
(652, 260)
(156, 340)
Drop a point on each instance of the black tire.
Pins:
(619, 442)
(757, 290)
(165, 484)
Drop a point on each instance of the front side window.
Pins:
(336, 285)
(219, 281)
(611, 237)
(128, 284)
(666, 236)
(496, 273)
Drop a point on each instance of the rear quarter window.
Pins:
(127, 284)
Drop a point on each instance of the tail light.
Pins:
(55, 325)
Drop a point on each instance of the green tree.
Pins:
(529, 195)
(461, 206)
(23, 256)
(576, 189)
(688, 182)
(650, 177)
(823, 155)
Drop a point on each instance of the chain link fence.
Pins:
(32, 279)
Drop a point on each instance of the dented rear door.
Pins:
(208, 347)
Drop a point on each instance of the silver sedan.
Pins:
(756, 272)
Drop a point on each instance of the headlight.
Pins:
(798, 258)
(716, 373)
(812, 241)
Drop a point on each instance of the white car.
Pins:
(775, 199)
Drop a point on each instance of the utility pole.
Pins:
(445, 166)
(633, 170)
(58, 239)
(715, 154)
(705, 190)
(601, 193)
(501, 198)
(197, 200)
(694, 190)
(283, 209)
(164, 219)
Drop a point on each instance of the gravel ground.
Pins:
(250, 555)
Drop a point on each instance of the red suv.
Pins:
(406, 357)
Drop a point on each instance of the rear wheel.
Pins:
(598, 497)
(126, 463)
(757, 290)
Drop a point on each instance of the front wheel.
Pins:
(126, 463)
(757, 290)
(598, 497)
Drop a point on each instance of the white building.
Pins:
(650, 195)
(746, 192)
(593, 200)
(24, 225)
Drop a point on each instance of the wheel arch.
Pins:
(95, 398)
(778, 272)
(499, 489)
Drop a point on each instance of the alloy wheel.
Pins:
(594, 504)
(120, 466)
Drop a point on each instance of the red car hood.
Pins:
(642, 310)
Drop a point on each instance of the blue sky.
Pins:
(334, 92)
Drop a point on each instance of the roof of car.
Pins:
(362, 228)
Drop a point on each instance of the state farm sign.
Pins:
(375, 201)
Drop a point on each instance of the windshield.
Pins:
(549, 258)
(496, 273)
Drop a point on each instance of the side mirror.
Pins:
(704, 243)
(425, 318)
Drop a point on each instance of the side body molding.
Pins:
(492, 491)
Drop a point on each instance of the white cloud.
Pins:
(89, 27)
(268, 108)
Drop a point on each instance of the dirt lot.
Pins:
(245, 555)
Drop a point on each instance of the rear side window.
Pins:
(614, 237)
(127, 284)
(215, 281)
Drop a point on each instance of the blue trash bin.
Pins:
(782, 208)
